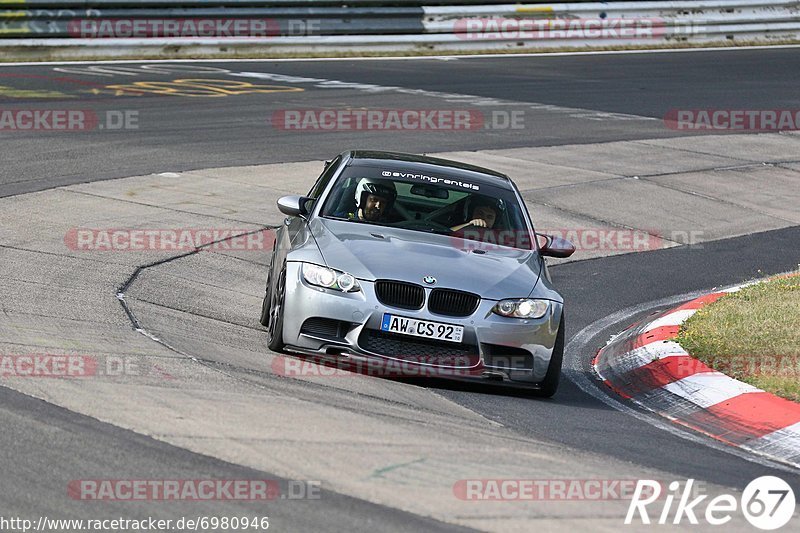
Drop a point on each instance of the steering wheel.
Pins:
(425, 225)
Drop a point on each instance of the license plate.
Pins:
(422, 328)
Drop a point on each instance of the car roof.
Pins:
(424, 163)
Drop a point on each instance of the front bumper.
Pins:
(494, 347)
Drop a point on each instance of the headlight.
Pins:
(330, 278)
(525, 308)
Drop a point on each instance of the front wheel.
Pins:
(549, 384)
(265, 304)
(275, 314)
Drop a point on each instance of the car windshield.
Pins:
(443, 205)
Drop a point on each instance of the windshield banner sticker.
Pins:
(430, 179)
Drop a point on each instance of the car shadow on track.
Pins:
(568, 395)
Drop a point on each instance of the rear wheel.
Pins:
(549, 384)
(275, 314)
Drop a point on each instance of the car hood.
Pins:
(371, 252)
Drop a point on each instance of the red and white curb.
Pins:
(645, 366)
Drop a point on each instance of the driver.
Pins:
(373, 198)
(484, 215)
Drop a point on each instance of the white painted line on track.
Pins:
(369, 88)
(407, 58)
(468, 99)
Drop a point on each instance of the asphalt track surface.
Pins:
(179, 133)
(47, 446)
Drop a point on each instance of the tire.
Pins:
(265, 305)
(275, 317)
(549, 384)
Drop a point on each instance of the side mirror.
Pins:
(555, 246)
(294, 206)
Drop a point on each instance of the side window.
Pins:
(323, 180)
(341, 200)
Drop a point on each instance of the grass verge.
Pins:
(752, 335)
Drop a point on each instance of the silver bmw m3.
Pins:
(416, 266)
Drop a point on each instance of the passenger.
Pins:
(483, 216)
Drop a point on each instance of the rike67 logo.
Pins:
(767, 502)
